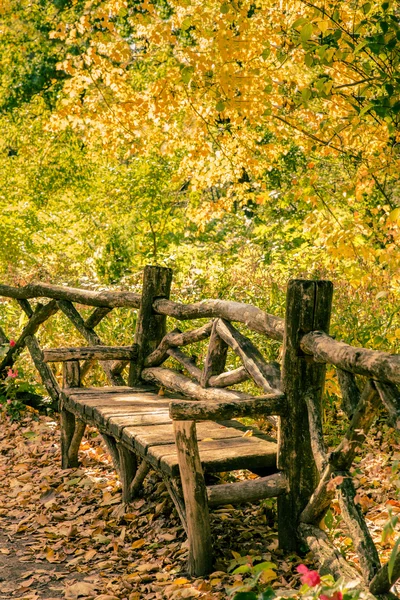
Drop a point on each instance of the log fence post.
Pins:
(150, 327)
(308, 308)
(72, 429)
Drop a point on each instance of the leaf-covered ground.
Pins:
(64, 535)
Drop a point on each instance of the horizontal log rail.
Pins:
(210, 410)
(255, 318)
(106, 298)
(247, 491)
(90, 353)
(371, 363)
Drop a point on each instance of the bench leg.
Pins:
(127, 470)
(136, 484)
(175, 491)
(195, 495)
(112, 450)
(72, 431)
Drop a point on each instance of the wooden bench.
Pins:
(185, 425)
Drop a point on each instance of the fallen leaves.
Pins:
(88, 546)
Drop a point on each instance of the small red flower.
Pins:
(336, 596)
(12, 343)
(12, 374)
(310, 578)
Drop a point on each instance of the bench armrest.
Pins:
(193, 410)
(91, 352)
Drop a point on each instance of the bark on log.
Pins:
(308, 307)
(359, 533)
(26, 307)
(90, 352)
(90, 335)
(97, 315)
(179, 383)
(266, 375)
(79, 430)
(342, 457)
(247, 491)
(215, 360)
(184, 410)
(194, 491)
(390, 397)
(150, 327)
(372, 363)
(111, 445)
(175, 339)
(330, 560)
(255, 318)
(229, 378)
(316, 434)
(174, 488)
(41, 314)
(46, 374)
(349, 390)
(140, 476)
(3, 338)
(127, 470)
(45, 290)
(380, 583)
(186, 362)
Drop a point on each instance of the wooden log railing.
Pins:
(305, 484)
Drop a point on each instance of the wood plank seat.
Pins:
(139, 419)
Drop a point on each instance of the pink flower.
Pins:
(9, 401)
(12, 343)
(310, 578)
(12, 374)
(336, 596)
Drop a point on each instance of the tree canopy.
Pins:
(220, 137)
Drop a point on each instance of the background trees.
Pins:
(240, 142)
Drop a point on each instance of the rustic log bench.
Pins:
(185, 425)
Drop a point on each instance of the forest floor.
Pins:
(64, 534)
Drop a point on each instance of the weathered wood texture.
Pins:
(195, 494)
(127, 470)
(71, 430)
(329, 558)
(96, 317)
(372, 363)
(90, 352)
(150, 327)
(343, 455)
(381, 583)
(90, 335)
(41, 314)
(390, 397)
(266, 375)
(215, 360)
(308, 307)
(45, 290)
(255, 318)
(349, 390)
(179, 383)
(3, 338)
(273, 404)
(316, 434)
(247, 491)
(187, 362)
(357, 527)
(229, 378)
(137, 482)
(46, 374)
(174, 339)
